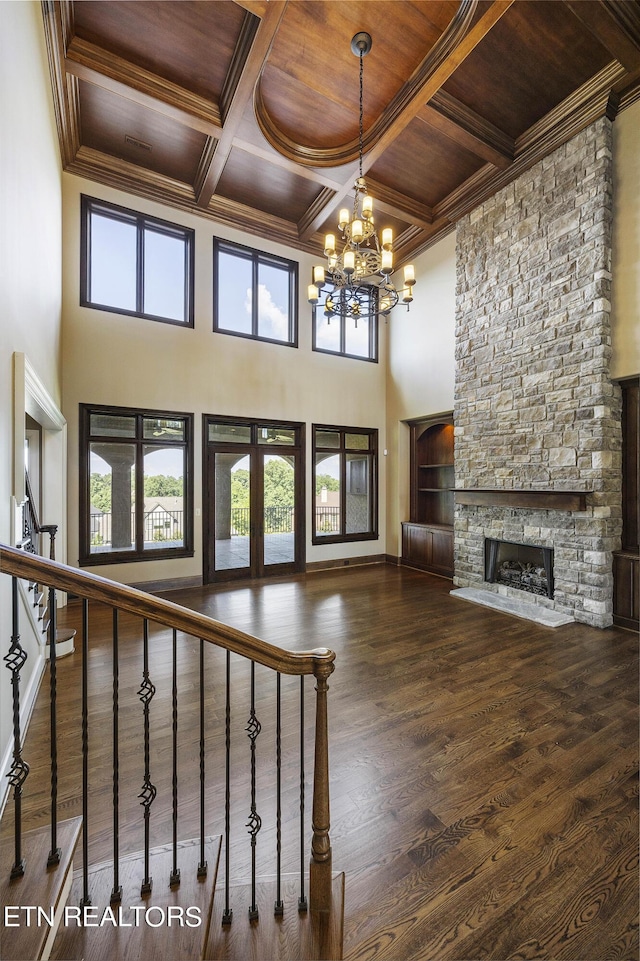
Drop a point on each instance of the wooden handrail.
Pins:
(319, 662)
(38, 528)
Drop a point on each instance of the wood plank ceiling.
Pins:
(247, 112)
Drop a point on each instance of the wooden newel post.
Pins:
(320, 866)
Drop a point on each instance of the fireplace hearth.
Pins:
(524, 567)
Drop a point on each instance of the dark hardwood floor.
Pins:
(483, 768)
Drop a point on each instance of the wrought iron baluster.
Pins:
(86, 899)
(174, 878)
(202, 866)
(278, 907)
(116, 894)
(148, 792)
(302, 900)
(54, 853)
(227, 915)
(15, 660)
(254, 823)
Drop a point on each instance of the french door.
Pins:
(254, 498)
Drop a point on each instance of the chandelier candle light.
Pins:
(359, 273)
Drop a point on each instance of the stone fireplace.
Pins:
(537, 417)
(524, 567)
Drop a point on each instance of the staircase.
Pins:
(199, 898)
(27, 933)
(173, 922)
(38, 606)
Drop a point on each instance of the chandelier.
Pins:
(360, 265)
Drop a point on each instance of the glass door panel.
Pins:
(278, 508)
(327, 503)
(232, 511)
(112, 493)
(253, 499)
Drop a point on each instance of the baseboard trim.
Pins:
(169, 584)
(345, 562)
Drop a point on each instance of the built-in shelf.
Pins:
(534, 499)
(427, 538)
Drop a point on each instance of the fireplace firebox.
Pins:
(525, 567)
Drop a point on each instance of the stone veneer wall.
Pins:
(535, 407)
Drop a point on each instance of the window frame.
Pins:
(256, 257)
(346, 482)
(142, 222)
(87, 557)
(318, 312)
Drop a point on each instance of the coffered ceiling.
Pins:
(247, 112)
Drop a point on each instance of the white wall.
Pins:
(30, 268)
(113, 359)
(626, 244)
(421, 370)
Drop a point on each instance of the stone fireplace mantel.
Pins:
(528, 499)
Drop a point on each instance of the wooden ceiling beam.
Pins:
(241, 96)
(584, 106)
(91, 63)
(123, 175)
(435, 78)
(398, 205)
(616, 25)
(326, 199)
(271, 156)
(468, 129)
(419, 91)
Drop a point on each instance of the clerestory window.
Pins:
(349, 337)
(135, 264)
(255, 294)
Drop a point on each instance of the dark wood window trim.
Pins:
(87, 558)
(318, 314)
(256, 258)
(142, 222)
(345, 481)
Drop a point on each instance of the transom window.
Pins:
(136, 484)
(348, 337)
(135, 264)
(345, 484)
(255, 294)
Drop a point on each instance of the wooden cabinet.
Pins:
(427, 538)
(429, 548)
(626, 563)
(626, 591)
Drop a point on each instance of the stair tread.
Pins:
(40, 886)
(148, 941)
(299, 935)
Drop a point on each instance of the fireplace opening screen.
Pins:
(524, 567)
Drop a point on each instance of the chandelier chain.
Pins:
(361, 114)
